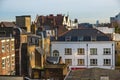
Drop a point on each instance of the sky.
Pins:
(84, 10)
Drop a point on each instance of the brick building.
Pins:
(7, 56)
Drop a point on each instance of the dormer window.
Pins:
(80, 38)
(93, 38)
(56, 53)
(68, 38)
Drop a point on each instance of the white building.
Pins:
(85, 48)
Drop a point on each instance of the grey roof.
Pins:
(8, 24)
(93, 74)
(87, 34)
(40, 50)
(53, 60)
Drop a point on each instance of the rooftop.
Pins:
(84, 35)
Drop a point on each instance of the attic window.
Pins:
(2, 33)
(68, 38)
(80, 38)
(56, 53)
(93, 38)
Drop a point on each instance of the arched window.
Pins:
(55, 53)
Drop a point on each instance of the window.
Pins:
(81, 62)
(107, 62)
(68, 61)
(93, 38)
(93, 62)
(93, 51)
(12, 45)
(3, 46)
(55, 53)
(107, 51)
(68, 51)
(3, 33)
(8, 61)
(80, 38)
(7, 46)
(13, 59)
(3, 62)
(68, 38)
(32, 55)
(81, 51)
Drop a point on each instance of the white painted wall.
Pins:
(60, 46)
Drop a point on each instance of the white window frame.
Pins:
(68, 61)
(3, 46)
(93, 51)
(68, 51)
(3, 62)
(106, 51)
(8, 61)
(81, 51)
(107, 62)
(93, 62)
(13, 59)
(55, 53)
(81, 62)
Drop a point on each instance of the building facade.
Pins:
(7, 56)
(85, 48)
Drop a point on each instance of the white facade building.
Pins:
(81, 52)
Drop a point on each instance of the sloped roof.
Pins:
(53, 60)
(40, 50)
(7, 24)
(86, 33)
(93, 74)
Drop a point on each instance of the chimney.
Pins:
(56, 33)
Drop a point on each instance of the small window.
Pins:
(93, 62)
(12, 45)
(56, 53)
(81, 62)
(107, 62)
(93, 51)
(13, 59)
(8, 61)
(68, 61)
(106, 51)
(3, 47)
(3, 62)
(93, 38)
(68, 38)
(80, 38)
(81, 51)
(7, 47)
(68, 51)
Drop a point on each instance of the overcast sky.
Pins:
(83, 10)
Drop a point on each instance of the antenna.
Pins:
(68, 13)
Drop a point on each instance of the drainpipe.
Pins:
(87, 54)
(113, 55)
(20, 58)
